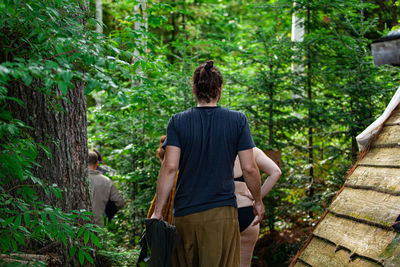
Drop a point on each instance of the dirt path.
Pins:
(277, 248)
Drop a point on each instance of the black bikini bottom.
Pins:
(245, 216)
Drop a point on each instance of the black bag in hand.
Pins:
(159, 240)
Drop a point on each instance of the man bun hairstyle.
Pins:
(207, 80)
(209, 64)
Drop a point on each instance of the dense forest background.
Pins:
(306, 100)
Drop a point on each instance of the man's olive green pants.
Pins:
(209, 238)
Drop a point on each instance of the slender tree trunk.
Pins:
(310, 113)
(270, 121)
(271, 202)
(99, 15)
(395, 13)
(185, 54)
(271, 108)
(141, 25)
(174, 33)
(140, 9)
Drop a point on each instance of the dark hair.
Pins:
(160, 151)
(99, 157)
(207, 80)
(92, 158)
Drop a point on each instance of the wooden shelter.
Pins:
(386, 50)
(358, 228)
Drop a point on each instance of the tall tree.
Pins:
(60, 125)
(44, 79)
(99, 15)
(55, 114)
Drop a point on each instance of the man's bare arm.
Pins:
(165, 182)
(253, 181)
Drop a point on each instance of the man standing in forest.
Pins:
(202, 143)
(102, 190)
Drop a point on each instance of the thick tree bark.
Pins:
(60, 125)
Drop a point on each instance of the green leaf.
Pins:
(88, 257)
(72, 251)
(95, 240)
(80, 231)
(7, 115)
(8, 221)
(56, 191)
(59, 49)
(81, 256)
(51, 64)
(19, 238)
(44, 217)
(23, 229)
(26, 78)
(36, 180)
(92, 84)
(46, 150)
(86, 237)
(63, 238)
(5, 243)
(41, 37)
(30, 8)
(27, 219)
(28, 193)
(63, 86)
(46, 190)
(13, 244)
(66, 75)
(17, 221)
(53, 218)
(4, 71)
(68, 230)
(122, 97)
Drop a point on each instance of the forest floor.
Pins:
(278, 248)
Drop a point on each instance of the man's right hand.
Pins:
(259, 211)
(156, 216)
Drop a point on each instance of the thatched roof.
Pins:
(356, 230)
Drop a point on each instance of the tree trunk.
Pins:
(99, 15)
(174, 33)
(140, 9)
(271, 118)
(59, 125)
(186, 54)
(310, 113)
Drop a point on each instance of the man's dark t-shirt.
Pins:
(209, 139)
